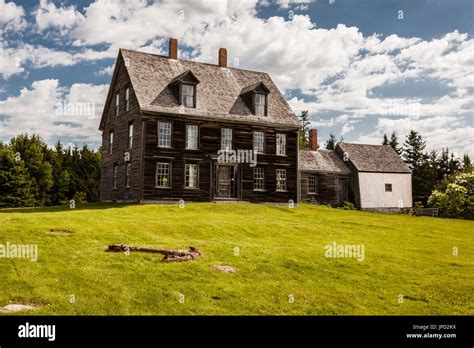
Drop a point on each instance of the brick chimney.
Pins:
(173, 48)
(313, 139)
(223, 57)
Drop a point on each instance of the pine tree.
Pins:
(385, 139)
(466, 162)
(303, 132)
(331, 142)
(394, 143)
(413, 152)
(16, 189)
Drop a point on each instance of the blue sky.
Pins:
(361, 68)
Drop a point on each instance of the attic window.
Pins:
(388, 187)
(255, 96)
(187, 95)
(184, 89)
(260, 104)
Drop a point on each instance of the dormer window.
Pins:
(184, 88)
(260, 104)
(256, 98)
(187, 95)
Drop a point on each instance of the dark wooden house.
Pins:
(324, 176)
(176, 129)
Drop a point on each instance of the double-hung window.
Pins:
(226, 139)
(281, 180)
(260, 104)
(281, 144)
(115, 175)
(258, 142)
(187, 95)
(312, 184)
(127, 99)
(162, 175)
(130, 135)
(117, 104)
(191, 180)
(127, 174)
(164, 134)
(192, 134)
(258, 178)
(111, 141)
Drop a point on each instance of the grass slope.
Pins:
(280, 258)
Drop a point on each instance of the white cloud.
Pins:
(55, 112)
(47, 15)
(11, 16)
(107, 71)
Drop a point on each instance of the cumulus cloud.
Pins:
(54, 112)
(11, 16)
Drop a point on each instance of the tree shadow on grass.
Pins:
(63, 208)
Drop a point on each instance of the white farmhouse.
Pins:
(380, 180)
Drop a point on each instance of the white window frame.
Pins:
(111, 142)
(127, 99)
(128, 171)
(258, 179)
(192, 137)
(259, 146)
(117, 104)
(281, 144)
(186, 98)
(165, 139)
(280, 180)
(165, 172)
(130, 135)
(226, 138)
(312, 184)
(259, 107)
(191, 179)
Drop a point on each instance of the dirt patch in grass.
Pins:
(222, 268)
(60, 232)
(11, 308)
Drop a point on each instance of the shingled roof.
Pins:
(217, 94)
(373, 158)
(323, 161)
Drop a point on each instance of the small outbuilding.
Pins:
(372, 177)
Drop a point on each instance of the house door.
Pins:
(225, 182)
(343, 190)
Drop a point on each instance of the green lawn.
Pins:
(281, 264)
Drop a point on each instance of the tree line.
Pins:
(32, 174)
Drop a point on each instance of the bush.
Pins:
(457, 198)
(348, 206)
(80, 197)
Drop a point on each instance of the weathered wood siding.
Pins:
(328, 188)
(119, 125)
(208, 146)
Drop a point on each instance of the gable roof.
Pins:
(373, 158)
(323, 161)
(217, 95)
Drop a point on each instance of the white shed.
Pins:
(380, 179)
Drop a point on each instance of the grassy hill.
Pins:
(279, 255)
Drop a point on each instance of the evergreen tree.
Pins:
(454, 165)
(303, 132)
(466, 162)
(413, 152)
(443, 164)
(394, 143)
(33, 152)
(385, 139)
(331, 142)
(16, 189)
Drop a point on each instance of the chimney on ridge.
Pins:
(313, 139)
(223, 57)
(173, 48)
